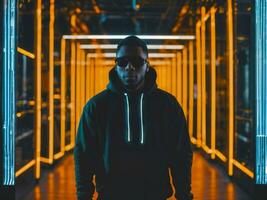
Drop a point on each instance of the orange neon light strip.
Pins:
(174, 78)
(231, 86)
(25, 168)
(72, 93)
(193, 140)
(243, 168)
(203, 70)
(199, 82)
(83, 79)
(179, 75)
(77, 100)
(26, 53)
(206, 149)
(51, 81)
(185, 82)
(45, 160)
(191, 88)
(87, 69)
(63, 96)
(213, 83)
(59, 155)
(220, 155)
(38, 88)
(168, 78)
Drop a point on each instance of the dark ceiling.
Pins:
(107, 17)
(123, 16)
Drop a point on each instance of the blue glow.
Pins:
(261, 91)
(8, 105)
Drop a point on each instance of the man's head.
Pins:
(131, 62)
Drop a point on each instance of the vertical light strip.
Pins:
(169, 77)
(213, 82)
(174, 78)
(84, 79)
(94, 76)
(261, 88)
(72, 92)
(199, 82)
(185, 82)
(87, 69)
(90, 77)
(62, 96)
(165, 78)
(8, 87)
(160, 76)
(51, 81)
(179, 77)
(172, 74)
(38, 88)
(231, 86)
(191, 88)
(203, 78)
(81, 97)
(77, 90)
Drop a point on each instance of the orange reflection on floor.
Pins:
(209, 182)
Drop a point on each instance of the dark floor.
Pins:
(208, 183)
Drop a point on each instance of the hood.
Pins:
(115, 84)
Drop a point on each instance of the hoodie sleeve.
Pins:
(85, 154)
(181, 154)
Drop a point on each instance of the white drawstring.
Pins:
(128, 118)
(141, 117)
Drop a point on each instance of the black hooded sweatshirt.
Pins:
(132, 142)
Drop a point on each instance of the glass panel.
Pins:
(24, 111)
(208, 82)
(243, 86)
(57, 107)
(68, 92)
(221, 80)
(25, 87)
(26, 25)
(45, 82)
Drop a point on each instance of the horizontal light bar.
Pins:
(114, 46)
(152, 62)
(113, 55)
(146, 37)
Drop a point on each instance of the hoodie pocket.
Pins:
(157, 177)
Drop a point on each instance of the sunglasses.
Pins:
(137, 62)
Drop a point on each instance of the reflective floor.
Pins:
(208, 183)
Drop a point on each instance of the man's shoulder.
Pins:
(164, 94)
(98, 98)
(166, 97)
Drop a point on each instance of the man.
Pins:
(131, 134)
